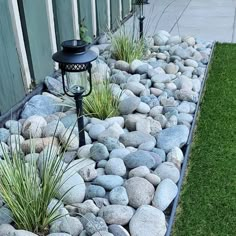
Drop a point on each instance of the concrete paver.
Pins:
(206, 19)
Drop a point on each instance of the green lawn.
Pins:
(208, 198)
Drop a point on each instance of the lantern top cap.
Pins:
(74, 52)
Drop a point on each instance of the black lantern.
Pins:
(141, 16)
(75, 63)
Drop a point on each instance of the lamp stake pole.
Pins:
(80, 119)
(141, 19)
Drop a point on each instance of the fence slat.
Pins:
(102, 16)
(37, 38)
(125, 8)
(11, 82)
(85, 15)
(115, 14)
(63, 20)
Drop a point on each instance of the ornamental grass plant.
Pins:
(28, 193)
(126, 47)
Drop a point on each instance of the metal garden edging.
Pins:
(188, 147)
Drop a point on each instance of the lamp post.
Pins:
(75, 62)
(141, 16)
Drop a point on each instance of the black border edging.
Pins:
(15, 111)
(188, 148)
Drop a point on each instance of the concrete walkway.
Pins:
(205, 19)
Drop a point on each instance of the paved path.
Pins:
(206, 19)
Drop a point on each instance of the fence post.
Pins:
(20, 45)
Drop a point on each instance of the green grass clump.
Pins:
(28, 196)
(101, 103)
(207, 204)
(125, 47)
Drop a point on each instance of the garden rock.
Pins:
(6, 216)
(155, 224)
(6, 229)
(122, 65)
(135, 87)
(53, 85)
(32, 127)
(160, 39)
(4, 134)
(88, 173)
(168, 170)
(95, 225)
(14, 126)
(190, 62)
(39, 105)
(118, 230)
(171, 68)
(70, 225)
(115, 166)
(93, 191)
(165, 194)
(134, 65)
(116, 214)
(108, 181)
(57, 234)
(69, 140)
(119, 153)
(136, 138)
(21, 233)
(116, 119)
(113, 131)
(95, 130)
(75, 183)
(161, 78)
(186, 95)
(140, 171)
(176, 156)
(189, 40)
(84, 151)
(143, 108)
(70, 120)
(140, 191)
(118, 196)
(139, 158)
(175, 136)
(129, 105)
(99, 152)
(86, 207)
(153, 179)
(102, 233)
(54, 128)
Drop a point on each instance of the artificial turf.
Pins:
(208, 199)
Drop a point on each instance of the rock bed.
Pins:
(131, 163)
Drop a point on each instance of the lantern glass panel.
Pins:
(76, 81)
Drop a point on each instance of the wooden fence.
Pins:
(32, 30)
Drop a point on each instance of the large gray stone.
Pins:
(129, 105)
(140, 191)
(118, 230)
(6, 216)
(4, 135)
(75, 184)
(168, 170)
(155, 224)
(119, 196)
(136, 138)
(99, 152)
(95, 191)
(116, 214)
(108, 181)
(23, 233)
(165, 193)
(40, 105)
(139, 158)
(5, 229)
(14, 126)
(115, 166)
(175, 136)
(95, 225)
(53, 85)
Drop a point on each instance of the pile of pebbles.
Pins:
(126, 176)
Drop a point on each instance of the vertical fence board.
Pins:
(102, 16)
(11, 82)
(37, 38)
(115, 14)
(85, 15)
(63, 20)
(125, 8)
